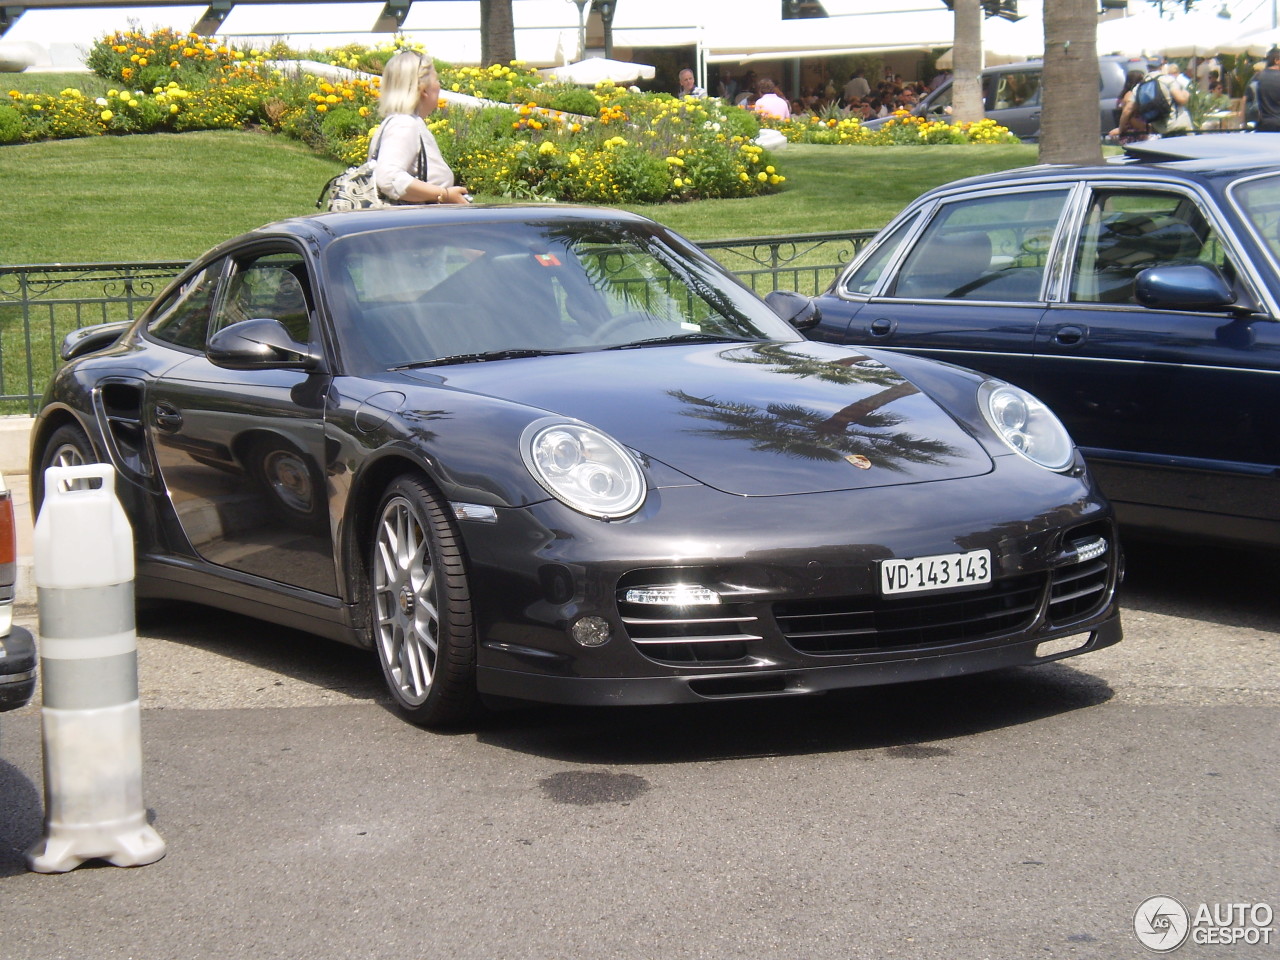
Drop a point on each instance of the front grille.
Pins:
(706, 633)
(842, 625)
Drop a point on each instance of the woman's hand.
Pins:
(454, 195)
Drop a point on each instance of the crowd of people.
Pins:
(855, 97)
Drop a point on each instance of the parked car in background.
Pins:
(1139, 299)
(17, 648)
(560, 454)
(1011, 96)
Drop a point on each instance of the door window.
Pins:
(993, 247)
(273, 286)
(1127, 231)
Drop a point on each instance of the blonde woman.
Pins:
(408, 165)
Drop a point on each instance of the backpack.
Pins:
(1151, 100)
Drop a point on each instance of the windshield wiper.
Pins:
(680, 338)
(478, 358)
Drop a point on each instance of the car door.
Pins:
(962, 280)
(241, 452)
(1176, 409)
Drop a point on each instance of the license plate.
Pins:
(945, 571)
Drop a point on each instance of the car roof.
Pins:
(330, 226)
(1200, 158)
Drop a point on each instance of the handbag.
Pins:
(355, 189)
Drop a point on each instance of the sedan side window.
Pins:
(1127, 231)
(993, 248)
(866, 277)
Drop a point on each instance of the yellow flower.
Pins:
(106, 115)
(678, 182)
(173, 108)
(762, 176)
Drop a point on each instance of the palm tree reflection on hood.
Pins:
(860, 429)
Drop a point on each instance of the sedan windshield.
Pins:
(427, 295)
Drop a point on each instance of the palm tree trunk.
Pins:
(497, 32)
(1070, 125)
(966, 63)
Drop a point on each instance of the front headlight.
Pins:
(1026, 425)
(583, 468)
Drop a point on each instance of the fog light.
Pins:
(672, 594)
(591, 631)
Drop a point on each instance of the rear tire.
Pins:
(68, 446)
(422, 621)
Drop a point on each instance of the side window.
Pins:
(184, 320)
(274, 285)
(992, 247)
(1127, 231)
(867, 276)
(1015, 89)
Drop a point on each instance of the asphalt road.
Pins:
(1014, 815)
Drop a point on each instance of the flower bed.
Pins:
(545, 140)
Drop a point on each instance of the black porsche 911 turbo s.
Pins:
(560, 454)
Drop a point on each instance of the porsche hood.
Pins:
(758, 419)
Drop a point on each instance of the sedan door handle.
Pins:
(167, 417)
(1070, 335)
(882, 326)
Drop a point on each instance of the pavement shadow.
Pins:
(904, 718)
(21, 819)
(326, 664)
(1230, 587)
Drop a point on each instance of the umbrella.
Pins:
(1256, 44)
(595, 70)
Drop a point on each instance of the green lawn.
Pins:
(172, 196)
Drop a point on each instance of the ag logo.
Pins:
(1161, 924)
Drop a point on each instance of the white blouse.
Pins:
(400, 143)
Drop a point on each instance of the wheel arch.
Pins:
(357, 531)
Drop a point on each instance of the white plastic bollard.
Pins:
(89, 662)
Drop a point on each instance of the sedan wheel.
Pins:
(422, 620)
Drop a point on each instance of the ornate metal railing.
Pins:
(805, 262)
(41, 303)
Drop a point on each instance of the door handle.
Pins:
(882, 327)
(1070, 335)
(167, 417)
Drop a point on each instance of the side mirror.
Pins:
(795, 308)
(260, 344)
(86, 340)
(1193, 286)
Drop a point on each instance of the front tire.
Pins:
(423, 625)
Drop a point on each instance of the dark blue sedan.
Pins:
(1140, 299)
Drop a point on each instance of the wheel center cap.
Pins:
(406, 601)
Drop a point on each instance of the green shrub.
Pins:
(574, 100)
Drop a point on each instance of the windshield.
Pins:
(462, 293)
(1259, 202)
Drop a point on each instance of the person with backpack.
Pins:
(408, 167)
(1161, 100)
(1131, 128)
